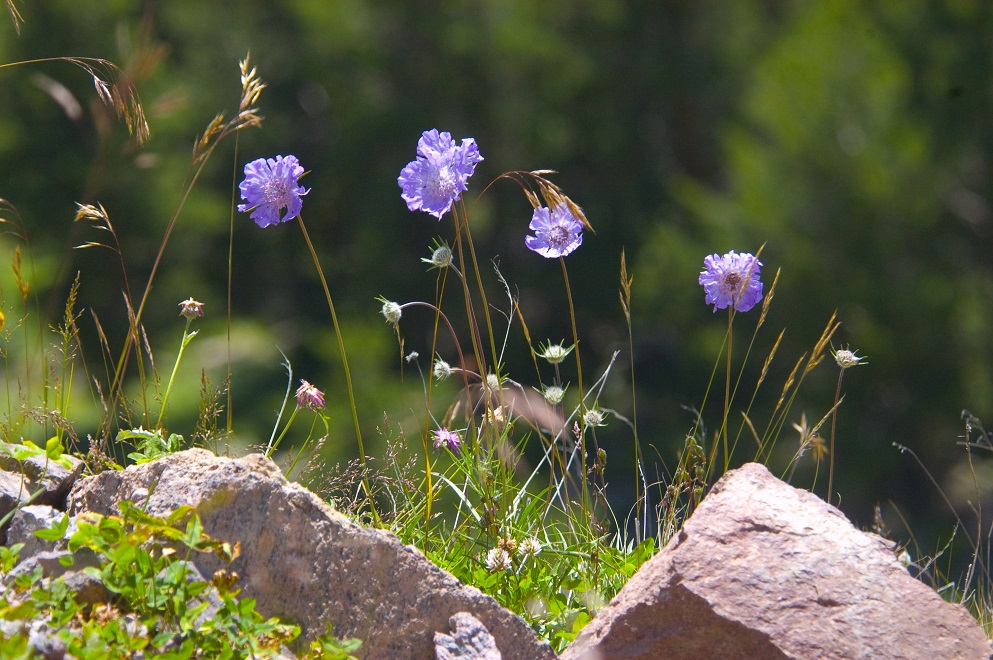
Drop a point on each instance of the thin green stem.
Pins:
(727, 391)
(834, 419)
(273, 445)
(344, 363)
(579, 378)
(175, 367)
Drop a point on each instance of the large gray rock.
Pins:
(302, 559)
(765, 570)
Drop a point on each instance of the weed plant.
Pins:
(543, 540)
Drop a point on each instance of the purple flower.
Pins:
(557, 232)
(309, 396)
(446, 438)
(438, 177)
(271, 186)
(732, 280)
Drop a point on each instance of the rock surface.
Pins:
(470, 640)
(765, 570)
(35, 480)
(302, 559)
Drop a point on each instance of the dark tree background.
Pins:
(852, 139)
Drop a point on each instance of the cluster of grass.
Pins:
(543, 540)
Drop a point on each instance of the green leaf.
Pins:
(56, 531)
(53, 448)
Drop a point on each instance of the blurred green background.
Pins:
(852, 139)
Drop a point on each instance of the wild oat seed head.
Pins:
(191, 309)
(437, 178)
(442, 370)
(847, 358)
(732, 280)
(270, 186)
(557, 232)
(392, 312)
(309, 396)
(497, 560)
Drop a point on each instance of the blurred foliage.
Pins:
(852, 139)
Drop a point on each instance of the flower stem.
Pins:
(175, 367)
(834, 419)
(344, 362)
(273, 445)
(727, 391)
(579, 378)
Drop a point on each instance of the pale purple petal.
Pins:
(270, 186)
(557, 232)
(732, 280)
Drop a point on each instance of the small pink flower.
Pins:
(309, 396)
(191, 309)
(446, 438)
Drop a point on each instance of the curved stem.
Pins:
(344, 362)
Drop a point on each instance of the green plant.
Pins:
(159, 604)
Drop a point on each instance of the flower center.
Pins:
(558, 236)
(732, 281)
(443, 183)
(275, 192)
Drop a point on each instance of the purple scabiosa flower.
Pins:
(732, 280)
(446, 438)
(309, 396)
(557, 232)
(438, 177)
(271, 186)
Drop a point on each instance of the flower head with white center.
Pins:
(498, 560)
(553, 394)
(441, 256)
(530, 546)
(555, 353)
(557, 232)
(442, 370)
(595, 417)
(391, 312)
(732, 280)
(437, 178)
(847, 358)
(270, 186)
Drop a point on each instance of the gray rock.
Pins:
(470, 640)
(302, 559)
(765, 570)
(29, 519)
